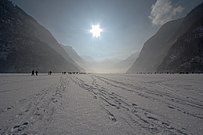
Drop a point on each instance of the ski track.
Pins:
(139, 116)
(38, 110)
(146, 93)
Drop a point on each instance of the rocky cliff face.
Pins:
(186, 54)
(26, 45)
(178, 48)
(156, 48)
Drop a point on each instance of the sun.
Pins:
(96, 31)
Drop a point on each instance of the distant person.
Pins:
(36, 72)
(50, 72)
(63, 73)
(33, 72)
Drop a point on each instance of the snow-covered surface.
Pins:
(96, 104)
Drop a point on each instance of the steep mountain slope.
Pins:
(74, 55)
(26, 45)
(155, 49)
(176, 46)
(186, 55)
(124, 65)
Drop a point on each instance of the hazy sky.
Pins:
(126, 24)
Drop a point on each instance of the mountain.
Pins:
(166, 50)
(26, 45)
(111, 65)
(125, 64)
(155, 49)
(105, 66)
(74, 55)
(186, 55)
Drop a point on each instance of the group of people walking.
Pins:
(35, 72)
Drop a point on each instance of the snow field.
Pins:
(101, 104)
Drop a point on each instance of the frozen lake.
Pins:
(101, 104)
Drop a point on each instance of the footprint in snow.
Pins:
(171, 107)
(133, 104)
(152, 118)
(21, 127)
(112, 118)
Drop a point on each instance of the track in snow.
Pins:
(101, 104)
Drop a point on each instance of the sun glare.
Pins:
(96, 31)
